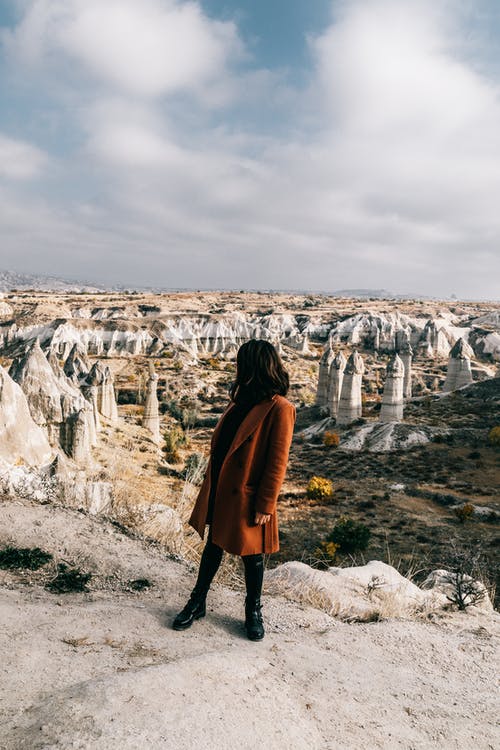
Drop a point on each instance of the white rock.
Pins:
(459, 367)
(21, 439)
(393, 397)
(350, 407)
(439, 581)
(361, 593)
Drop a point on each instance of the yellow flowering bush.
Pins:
(319, 489)
(326, 551)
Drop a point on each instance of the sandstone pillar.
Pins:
(350, 407)
(392, 399)
(459, 369)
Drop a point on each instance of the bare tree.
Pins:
(465, 566)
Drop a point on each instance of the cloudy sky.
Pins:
(286, 144)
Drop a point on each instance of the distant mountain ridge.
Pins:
(12, 280)
(44, 283)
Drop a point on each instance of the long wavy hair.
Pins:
(259, 373)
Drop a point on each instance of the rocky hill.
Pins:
(10, 280)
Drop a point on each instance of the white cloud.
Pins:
(382, 174)
(143, 47)
(20, 160)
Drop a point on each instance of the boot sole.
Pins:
(188, 624)
(255, 638)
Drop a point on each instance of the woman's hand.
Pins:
(261, 518)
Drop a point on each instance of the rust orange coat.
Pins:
(250, 479)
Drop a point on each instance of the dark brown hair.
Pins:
(259, 373)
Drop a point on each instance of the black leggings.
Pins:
(211, 559)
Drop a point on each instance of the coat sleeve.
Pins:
(280, 438)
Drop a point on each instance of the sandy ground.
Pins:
(105, 670)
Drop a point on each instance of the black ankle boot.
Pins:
(254, 624)
(194, 609)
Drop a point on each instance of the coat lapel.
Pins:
(248, 425)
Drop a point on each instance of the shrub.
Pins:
(331, 439)
(194, 468)
(139, 584)
(326, 551)
(494, 436)
(174, 439)
(189, 418)
(350, 535)
(464, 512)
(68, 580)
(465, 565)
(12, 558)
(319, 489)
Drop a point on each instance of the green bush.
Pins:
(350, 535)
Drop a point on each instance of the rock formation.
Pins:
(350, 407)
(52, 398)
(459, 369)
(5, 309)
(78, 437)
(101, 378)
(434, 341)
(392, 399)
(406, 354)
(335, 378)
(342, 590)
(372, 331)
(77, 365)
(323, 375)
(21, 439)
(151, 416)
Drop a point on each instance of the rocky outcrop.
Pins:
(77, 365)
(151, 416)
(117, 332)
(392, 400)
(389, 332)
(434, 341)
(53, 400)
(78, 436)
(350, 407)
(335, 379)
(323, 375)
(101, 379)
(5, 309)
(21, 439)
(382, 437)
(372, 331)
(459, 367)
(358, 593)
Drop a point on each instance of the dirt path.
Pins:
(105, 670)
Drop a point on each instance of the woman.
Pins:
(238, 497)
